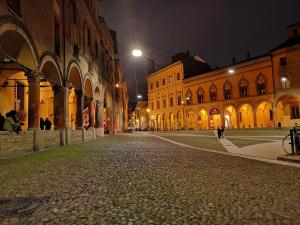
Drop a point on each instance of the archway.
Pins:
(180, 120)
(191, 120)
(76, 104)
(287, 111)
(264, 115)
(159, 127)
(89, 105)
(215, 119)
(172, 121)
(17, 58)
(203, 119)
(52, 95)
(230, 117)
(164, 122)
(246, 118)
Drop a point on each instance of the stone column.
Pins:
(99, 117)
(59, 107)
(238, 119)
(92, 114)
(33, 101)
(176, 123)
(79, 111)
(254, 118)
(168, 124)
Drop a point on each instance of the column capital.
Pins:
(33, 76)
(79, 93)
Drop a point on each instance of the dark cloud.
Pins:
(215, 29)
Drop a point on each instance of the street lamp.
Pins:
(137, 52)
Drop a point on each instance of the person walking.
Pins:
(219, 132)
(42, 123)
(47, 124)
(222, 132)
(2, 119)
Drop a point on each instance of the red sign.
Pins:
(214, 111)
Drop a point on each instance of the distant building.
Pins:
(256, 93)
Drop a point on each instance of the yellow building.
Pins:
(256, 93)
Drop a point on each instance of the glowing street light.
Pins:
(148, 110)
(231, 71)
(139, 96)
(283, 79)
(137, 53)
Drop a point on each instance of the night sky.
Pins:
(216, 29)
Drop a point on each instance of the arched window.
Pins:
(227, 90)
(261, 85)
(244, 88)
(200, 95)
(179, 100)
(213, 93)
(285, 82)
(188, 97)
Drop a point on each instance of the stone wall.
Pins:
(51, 139)
(16, 142)
(76, 136)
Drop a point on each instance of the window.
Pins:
(227, 91)
(179, 100)
(243, 88)
(20, 97)
(295, 112)
(200, 95)
(73, 12)
(283, 61)
(164, 82)
(178, 76)
(157, 105)
(15, 6)
(151, 86)
(285, 82)
(213, 93)
(89, 37)
(188, 97)
(157, 84)
(164, 103)
(171, 101)
(56, 38)
(261, 85)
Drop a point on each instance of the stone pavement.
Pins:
(138, 179)
(271, 150)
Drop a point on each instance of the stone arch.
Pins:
(88, 87)
(227, 90)
(189, 97)
(202, 117)
(51, 92)
(74, 71)
(246, 116)
(230, 116)
(286, 110)
(264, 114)
(200, 95)
(97, 93)
(17, 42)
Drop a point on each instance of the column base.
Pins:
(99, 132)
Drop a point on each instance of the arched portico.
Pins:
(287, 111)
(230, 117)
(19, 75)
(264, 115)
(246, 116)
(203, 119)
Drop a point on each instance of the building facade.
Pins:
(60, 65)
(261, 92)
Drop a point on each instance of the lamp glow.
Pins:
(231, 71)
(139, 96)
(283, 79)
(137, 53)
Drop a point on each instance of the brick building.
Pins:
(60, 65)
(256, 93)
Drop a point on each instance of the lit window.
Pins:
(200, 95)
(285, 82)
(243, 88)
(213, 93)
(188, 97)
(227, 91)
(295, 112)
(261, 85)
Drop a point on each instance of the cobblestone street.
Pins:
(139, 179)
